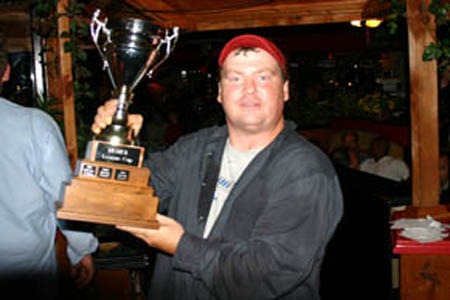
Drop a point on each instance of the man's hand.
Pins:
(104, 116)
(165, 238)
(83, 271)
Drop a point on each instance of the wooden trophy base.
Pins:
(109, 193)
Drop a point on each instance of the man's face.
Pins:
(351, 141)
(252, 92)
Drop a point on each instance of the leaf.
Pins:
(68, 46)
(84, 29)
(392, 27)
(431, 52)
(65, 34)
(82, 55)
(73, 27)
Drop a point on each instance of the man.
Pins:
(382, 164)
(349, 155)
(34, 165)
(250, 206)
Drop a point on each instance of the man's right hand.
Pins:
(104, 116)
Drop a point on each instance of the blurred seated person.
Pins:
(443, 178)
(381, 164)
(349, 155)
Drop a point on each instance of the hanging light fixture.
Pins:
(356, 23)
(372, 23)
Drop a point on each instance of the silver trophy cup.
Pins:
(129, 48)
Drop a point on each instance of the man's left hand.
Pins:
(165, 238)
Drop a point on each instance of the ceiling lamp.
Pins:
(372, 23)
(356, 23)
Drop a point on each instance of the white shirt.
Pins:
(388, 167)
(34, 165)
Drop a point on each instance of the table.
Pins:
(424, 267)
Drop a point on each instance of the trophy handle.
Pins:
(97, 27)
(169, 41)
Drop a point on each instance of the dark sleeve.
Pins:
(163, 172)
(288, 239)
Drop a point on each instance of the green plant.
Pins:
(51, 106)
(46, 25)
(345, 103)
(438, 50)
(83, 90)
(379, 105)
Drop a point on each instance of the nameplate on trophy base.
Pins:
(119, 154)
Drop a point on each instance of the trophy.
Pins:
(110, 185)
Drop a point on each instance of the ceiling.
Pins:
(206, 16)
(201, 15)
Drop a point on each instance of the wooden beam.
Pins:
(66, 87)
(424, 106)
(16, 28)
(234, 16)
(424, 277)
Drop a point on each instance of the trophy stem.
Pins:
(121, 115)
(118, 132)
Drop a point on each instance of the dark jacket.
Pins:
(270, 238)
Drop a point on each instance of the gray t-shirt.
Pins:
(233, 165)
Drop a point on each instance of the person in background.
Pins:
(155, 132)
(249, 206)
(443, 178)
(381, 164)
(34, 165)
(173, 130)
(349, 154)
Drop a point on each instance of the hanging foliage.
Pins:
(45, 23)
(438, 50)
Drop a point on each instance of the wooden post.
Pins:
(424, 277)
(66, 85)
(424, 106)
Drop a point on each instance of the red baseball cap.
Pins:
(251, 40)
